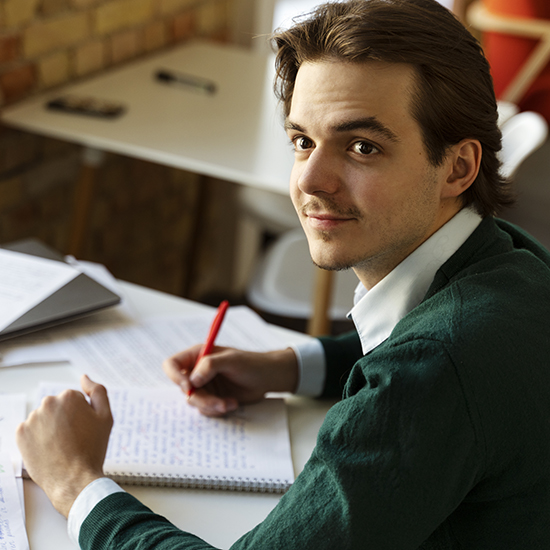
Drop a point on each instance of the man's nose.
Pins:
(319, 173)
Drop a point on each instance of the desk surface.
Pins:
(234, 134)
(217, 516)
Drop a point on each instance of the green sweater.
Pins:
(442, 438)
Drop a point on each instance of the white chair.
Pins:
(506, 111)
(522, 134)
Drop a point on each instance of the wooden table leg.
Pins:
(197, 234)
(84, 191)
(319, 323)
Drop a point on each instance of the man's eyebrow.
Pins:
(289, 125)
(367, 123)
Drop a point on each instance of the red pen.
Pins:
(209, 344)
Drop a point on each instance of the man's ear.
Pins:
(464, 160)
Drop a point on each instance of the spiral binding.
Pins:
(204, 482)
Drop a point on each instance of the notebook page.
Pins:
(157, 434)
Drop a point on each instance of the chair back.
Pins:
(522, 134)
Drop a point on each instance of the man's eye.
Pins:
(364, 148)
(302, 143)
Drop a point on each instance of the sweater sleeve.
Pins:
(393, 460)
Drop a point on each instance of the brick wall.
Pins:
(143, 213)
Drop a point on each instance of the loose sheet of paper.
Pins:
(47, 346)
(27, 280)
(156, 432)
(36, 347)
(13, 535)
(131, 354)
(13, 411)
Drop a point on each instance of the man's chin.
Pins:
(332, 264)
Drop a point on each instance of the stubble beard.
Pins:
(327, 205)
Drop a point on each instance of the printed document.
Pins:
(34, 348)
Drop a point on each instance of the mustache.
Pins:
(327, 205)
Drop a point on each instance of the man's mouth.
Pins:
(325, 221)
(326, 217)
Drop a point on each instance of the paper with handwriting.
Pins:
(131, 354)
(156, 434)
(13, 535)
(13, 411)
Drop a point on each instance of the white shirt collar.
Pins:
(378, 310)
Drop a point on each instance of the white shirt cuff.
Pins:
(86, 501)
(311, 368)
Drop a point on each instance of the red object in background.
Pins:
(507, 53)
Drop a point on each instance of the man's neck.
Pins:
(372, 271)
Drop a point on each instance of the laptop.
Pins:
(80, 296)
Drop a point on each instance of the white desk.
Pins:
(219, 517)
(234, 134)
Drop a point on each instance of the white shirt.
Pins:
(375, 314)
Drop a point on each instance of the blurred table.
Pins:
(234, 134)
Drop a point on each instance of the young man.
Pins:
(442, 436)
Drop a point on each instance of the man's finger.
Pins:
(211, 405)
(173, 370)
(97, 394)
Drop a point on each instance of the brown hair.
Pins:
(454, 98)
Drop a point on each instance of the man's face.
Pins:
(362, 184)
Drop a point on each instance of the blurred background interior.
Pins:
(143, 214)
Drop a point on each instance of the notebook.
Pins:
(80, 296)
(158, 439)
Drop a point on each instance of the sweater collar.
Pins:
(378, 310)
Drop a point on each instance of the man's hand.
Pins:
(228, 377)
(64, 442)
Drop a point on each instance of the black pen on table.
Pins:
(188, 80)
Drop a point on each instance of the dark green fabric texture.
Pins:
(442, 438)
